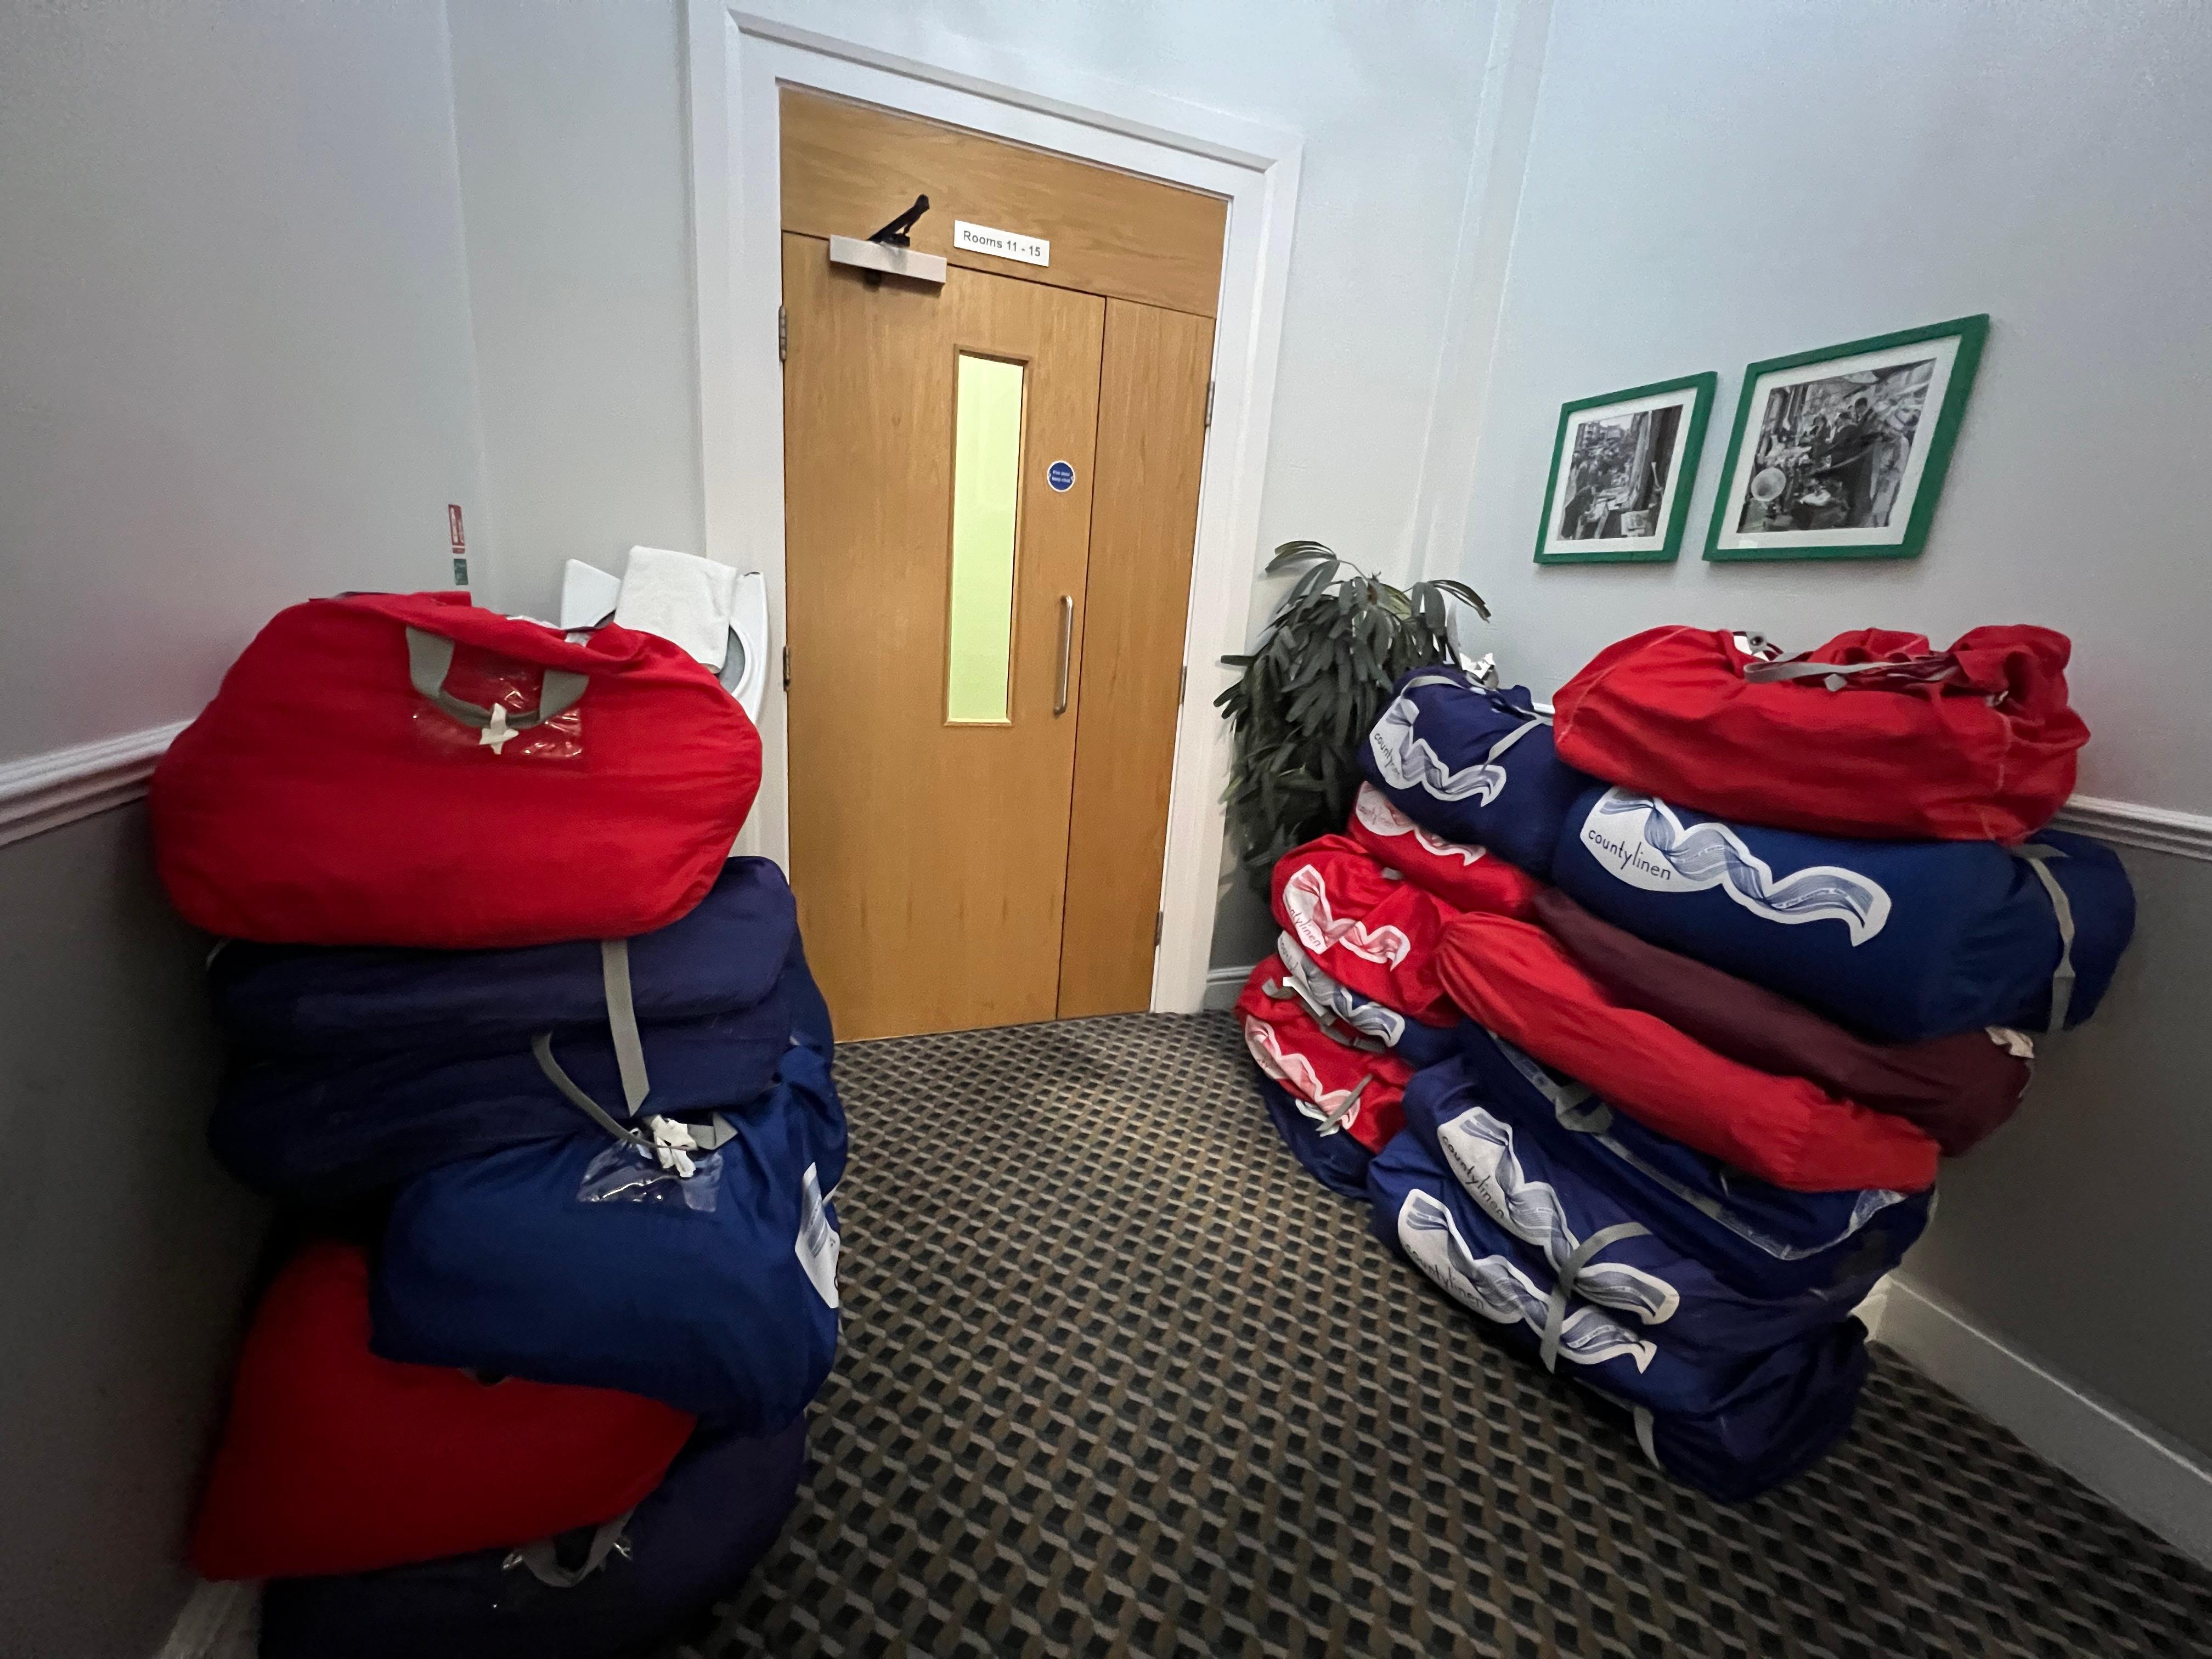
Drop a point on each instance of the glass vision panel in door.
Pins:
(987, 459)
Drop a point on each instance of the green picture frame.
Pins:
(1846, 464)
(1605, 539)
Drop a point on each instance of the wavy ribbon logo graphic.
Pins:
(1305, 896)
(1327, 997)
(1579, 1110)
(1479, 1150)
(1380, 814)
(1497, 1290)
(1639, 840)
(1296, 1073)
(1409, 763)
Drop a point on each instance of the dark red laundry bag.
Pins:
(1515, 980)
(1961, 1089)
(1874, 734)
(388, 769)
(1363, 926)
(1464, 877)
(1335, 1081)
(335, 1461)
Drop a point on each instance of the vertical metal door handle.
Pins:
(1066, 645)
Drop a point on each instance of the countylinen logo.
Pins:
(1639, 840)
(1305, 896)
(1626, 854)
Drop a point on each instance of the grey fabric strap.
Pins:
(1344, 1110)
(1761, 673)
(2038, 857)
(1536, 716)
(542, 1045)
(1332, 1026)
(1514, 737)
(545, 1566)
(622, 1020)
(1555, 1315)
(1837, 673)
(429, 657)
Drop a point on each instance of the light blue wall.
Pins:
(1711, 183)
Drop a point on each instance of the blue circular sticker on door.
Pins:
(1061, 476)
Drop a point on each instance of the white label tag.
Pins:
(1004, 244)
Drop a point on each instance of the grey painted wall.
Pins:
(575, 181)
(236, 372)
(1697, 197)
(235, 357)
(123, 1250)
(1714, 183)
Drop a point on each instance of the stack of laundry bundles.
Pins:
(1350, 1007)
(1646, 1162)
(491, 978)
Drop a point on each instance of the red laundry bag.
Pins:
(1464, 877)
(1514, 979)
(1358, 1090)
(1874, 734)
(387, 768)
(1364, 927)
(334, 1460)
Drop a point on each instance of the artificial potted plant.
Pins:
(1325, 665)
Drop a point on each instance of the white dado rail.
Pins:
(47, 791)
(64, 784)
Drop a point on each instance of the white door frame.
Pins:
(738, 58)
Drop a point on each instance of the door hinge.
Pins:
(1182, 684)
(783, 346)
(1209, 403)
(786, 668)
(1159, 926)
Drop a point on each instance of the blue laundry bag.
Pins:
(688, 1544)
(1334, 1159)
(1472, 765)
(586, 1261)
(325, 1129)
(321, 1003)
(1732, 1430)
(1900, 941)
(1674, 1298)
(1762, 1239)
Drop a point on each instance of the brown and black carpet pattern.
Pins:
(1120, 1377)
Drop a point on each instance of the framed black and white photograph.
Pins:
(1840, 453)
(1622, 466)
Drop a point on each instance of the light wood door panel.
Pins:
(929, 860)
(849, 167)
(1151, 436)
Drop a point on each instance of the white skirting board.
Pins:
(2139, 1470)
(1223, 985)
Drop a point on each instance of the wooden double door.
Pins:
(991, 492)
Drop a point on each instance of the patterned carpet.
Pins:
(1119, 1377)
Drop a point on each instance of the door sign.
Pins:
(1000, 244)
